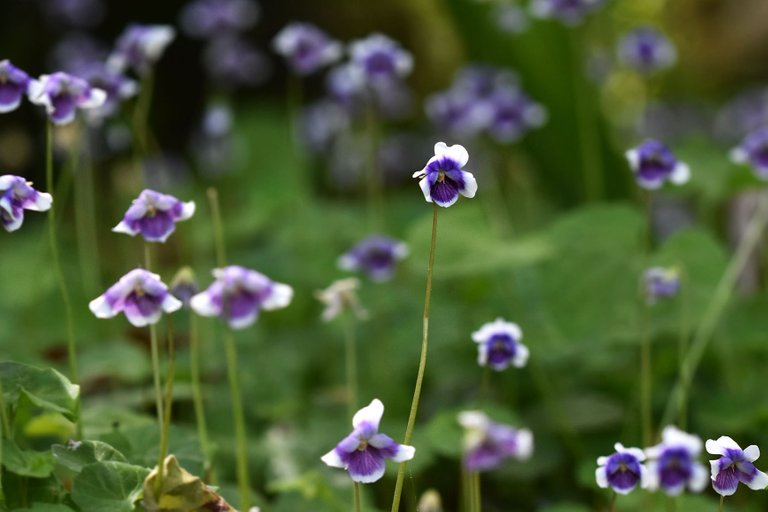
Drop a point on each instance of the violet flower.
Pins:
(623, 470)
(569, 12)
(117, 86)
(17, 195)
(672, 464)
(62, 94)
(380, 58)
(660, 283)
(208, 18)
(154, 215)
(488, 444)
(139, 47)
(346, 84)
(753, 150)
(499, 345)
(376, 256)
(140, 294)
(514, 113)
(364, 452)
(239, 294)
(734, 466)
(647, 50)
(13, 86)
(654, 163)
(442, 179)
(306, 47)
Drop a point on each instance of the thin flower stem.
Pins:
(646, 391)
(197, 394)
(722, 502)
(613, 502)
(71, 342)
(467, 489)
(218, 231)
(422, 362)
(476, 499)
(3, 434)
(715, 309)
(153, 342)
(682, 417)
(164, 433)
(350, 350)
(358, 506)
(141, 121)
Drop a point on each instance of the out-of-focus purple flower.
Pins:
(380, 58)
(306, 47)
(17, 195)
(139, 47)
(753, 150)
(734, 466)
(364, 452)
(745, 113)
(488, 444)
(513, 114)
(74, 13)
(376, 256)
(345, 83)
(154, 215)
(510, 18)
(117, 86)
(212, 144)
(320, 123)
(232, 61)
(442, 179)
(654, 163)
(499, 345)
(647, 50)
(13, 86)
(339, 296)
(483, 80)
(62, 94)
(660, 283)
(672, 465)
(140, 294)
(623, 470)
(77, 51)
(458, 113)
(569, 12)
(239, 294)
(208, 18)
(184, 285)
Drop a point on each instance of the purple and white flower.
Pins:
(154, 215)
(346, 84)
(380, 58)
(364, 452)
(499, 345)
(647, 50)
(62, 94)
(376, 256)
(17, 195)
(734, 466)
(654, 163)
(306, 47)
(753, 150)
(442, 179)
(13, 86)
(339, 296)
(660, 283)
(208, 18)
(672, 464)
(514, 113)
(117, 86)
(487, 444)
(139, 47)
(140, 294)
(623, 470)
(458, 112)
(569, 12)
(239, 294)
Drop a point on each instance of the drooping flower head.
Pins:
(62, 94)
(239, 294)
(647, 50)
(442, 179)
(306, 47)
(17, 195)
(660, 283)
(209, 18)
(734, 466)
(140, 294)
(13, 86)
(654, 163)
(753, 150)
(341, 295)
(380, 58)
(673, 464)
(375, 256)
(499, 345)
(623, 470)
(488, 444)
(139, 47)
(184, 285)
(364, 452)
(569, 12)
(154, 215)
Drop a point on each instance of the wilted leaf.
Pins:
(181, 491)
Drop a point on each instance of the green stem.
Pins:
(374, 185)
(683, 344)
(715, 309)
(350, 350)
(71, 342)
(141, 122)
(197, 393)
(85, 216)
(467, 490)
(218, 231)
(477, 501)
(422, 363)
(357, 493)
(722, 503)
(613, 502)
(164, 432)
(646, 393)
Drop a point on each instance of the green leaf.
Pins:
(111, 485)
(29, 463)
(46, 388)
(46, 507)
(77, 455)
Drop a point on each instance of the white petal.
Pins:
(244, 321)
(419, 174)
(601, 477)
(404, 453)
(473, 419)
(203, 305)
(171, 304)
(482, 355)
(36, 93)
(101, 308)
(524, 444)
(759, 482)
(644, 477)
(138, 320)
(718, 447)
(15, 223)
(369, 479)
(96, 99)
(470, 184)
(441, 148)
(714, 469)
(674, 436)
(187, 210)
(279, 298)
(347, 262)
(371, 414)
(42, 203)
(458, 153)
(699, 478)
(738, 155)
(752, 453)
(425, 189)
(332, 459)
(123, 227)
(633, 159)
(680, 174)
(521, 357)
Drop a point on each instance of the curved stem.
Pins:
(71, 342)
(422, 363)
(197, 394)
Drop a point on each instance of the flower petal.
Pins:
(203, 305)
(681, 174)
(759, 481)
(371, 414)
(470, 184)
(719, 446)
(101, 308)
(279, 298)
(366, 466)
(333, 460)
(425, 189)
(752, 453)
